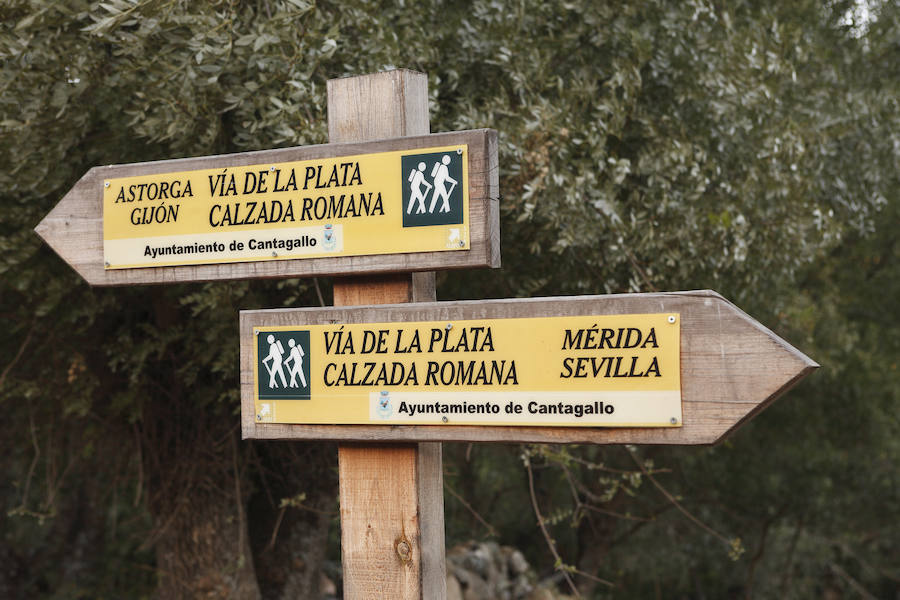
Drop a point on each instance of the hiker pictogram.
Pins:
(432, 189)
(442, 185)
(283, 363)
(441, 175)
(416, 180)
(273, 362)
(296, 355)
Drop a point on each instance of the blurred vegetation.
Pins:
(748, 147)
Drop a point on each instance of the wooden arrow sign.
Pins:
(662, 368)
(418, 203)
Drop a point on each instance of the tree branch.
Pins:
(491, 530)
(733, 544)
(560, 565)
(18, 354)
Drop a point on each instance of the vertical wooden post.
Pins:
(392, 502)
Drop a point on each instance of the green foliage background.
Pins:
(748, 147)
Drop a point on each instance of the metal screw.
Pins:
(106, 264)
(274, 253)
(673, 421)
(444, 419)
(461, 243)
(671, 318)
(259, 417)
(256, 332)
(271, 169)
(459, 150)
(106, 184)
(449, 326)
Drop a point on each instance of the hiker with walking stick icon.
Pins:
(296, 355)
(276, 352)
(416, 179)
(441, 175)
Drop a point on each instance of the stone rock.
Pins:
(454, 590)
(517, 563)
(488, 571)
(541, 593)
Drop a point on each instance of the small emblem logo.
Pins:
(328, 237)
(454, 240)
(265, 413)
(384, 408)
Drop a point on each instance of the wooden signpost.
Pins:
(392, 497)
(388, 372)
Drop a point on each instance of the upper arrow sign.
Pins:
(665, 368)
(407, 204)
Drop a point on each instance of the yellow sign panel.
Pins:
(600, 371)
(384, 203)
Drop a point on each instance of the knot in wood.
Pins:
(404, 550)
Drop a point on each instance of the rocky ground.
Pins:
(488, 571)
(476, 571)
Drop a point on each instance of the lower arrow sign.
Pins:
(661, 368)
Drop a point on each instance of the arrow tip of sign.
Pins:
(71, 230)
(41, 229)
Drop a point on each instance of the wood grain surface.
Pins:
(731, 367)
(392, 498)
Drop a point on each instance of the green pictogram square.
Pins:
(432, 189)
(283, 359)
